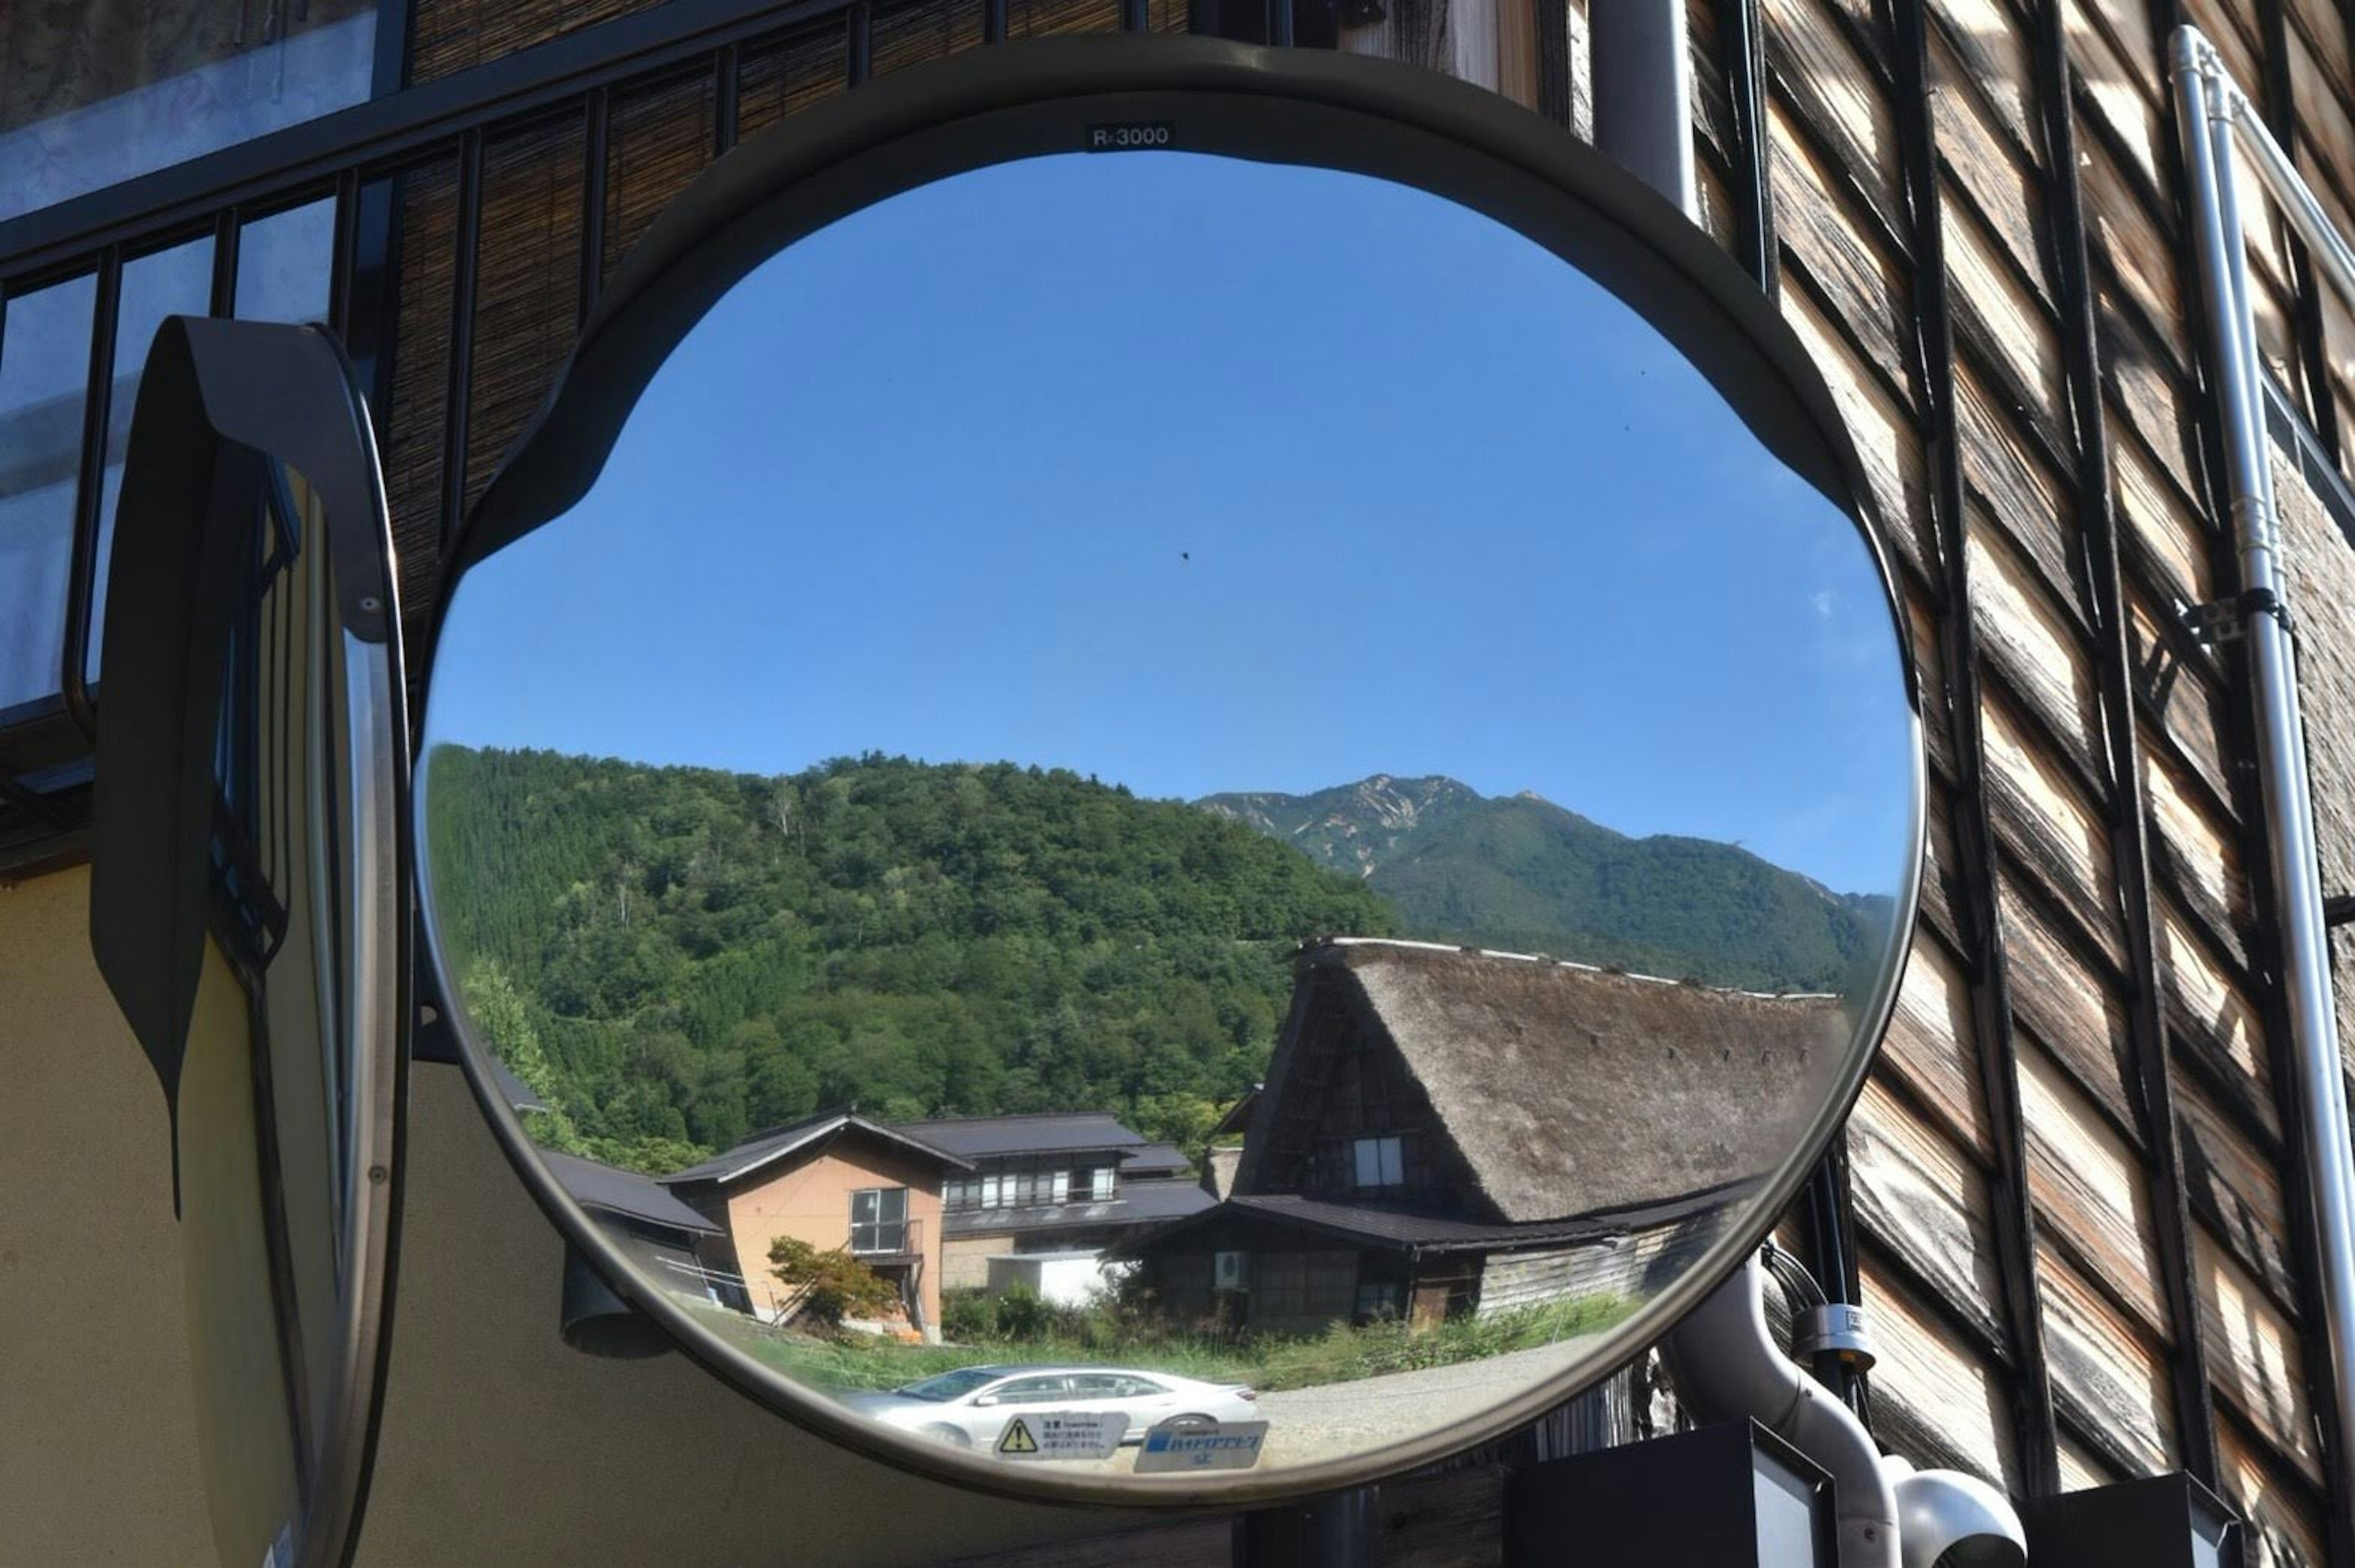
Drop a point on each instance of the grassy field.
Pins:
(1341, 1354)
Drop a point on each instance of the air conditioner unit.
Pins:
(1228, 1273)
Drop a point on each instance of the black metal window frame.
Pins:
(355, 157)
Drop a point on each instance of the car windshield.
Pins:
(949, 1385)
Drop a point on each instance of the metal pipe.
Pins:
(1643, 94)
(2210, 110)
(2322, 239)
(1726, 1366)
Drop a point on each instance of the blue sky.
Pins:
(1200, 474)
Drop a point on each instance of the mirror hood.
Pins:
(1176, 773)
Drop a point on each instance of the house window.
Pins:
(993, 1191)
(1101, 1183)
(878, 1220)
(1059, 1187)
(1377, 1163)
(1377, 1299)
(102, 93)
(957, 1194)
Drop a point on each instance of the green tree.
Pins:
(502, 1016)
(832, 1285)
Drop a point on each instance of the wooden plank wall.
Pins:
(2074, 1202)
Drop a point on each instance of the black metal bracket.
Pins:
(2339, 910)
(2227, 620)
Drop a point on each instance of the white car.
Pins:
(970, 1407)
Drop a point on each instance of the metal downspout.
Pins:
(1727, 1366)
(2209, 107)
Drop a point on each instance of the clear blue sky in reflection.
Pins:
(1203, 475)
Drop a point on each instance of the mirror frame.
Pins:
(1341, 112)
(219, 402)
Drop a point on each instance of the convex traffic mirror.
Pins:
(248, 906)
(1172, 773)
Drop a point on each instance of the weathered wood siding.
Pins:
(2070, 1182)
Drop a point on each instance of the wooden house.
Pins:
(840, 1182)
(2070, 1196)
(1063, 1183)
(1446, 1131)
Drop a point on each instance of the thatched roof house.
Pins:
(1430, 1103)
(1564, 1089)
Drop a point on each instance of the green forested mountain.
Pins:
(1521, 873)
(673, 957)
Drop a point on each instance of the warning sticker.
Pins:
(1063, 1434)
(1202, 1446)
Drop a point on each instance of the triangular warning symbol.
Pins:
(1018, 1439)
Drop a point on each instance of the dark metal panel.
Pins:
(2014, 1218)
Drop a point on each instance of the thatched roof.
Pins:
(1571, 1090)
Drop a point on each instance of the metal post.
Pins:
(1643, 94)
(2210, 108)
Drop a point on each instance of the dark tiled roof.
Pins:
(596, 1186)
(1139, 1203)
(1375, 1224)
(1154, 1159)
(777, 1143)
(518, 1093)
(978, 1137)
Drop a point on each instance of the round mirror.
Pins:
(1203, 818)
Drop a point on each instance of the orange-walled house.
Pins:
(835, 1179)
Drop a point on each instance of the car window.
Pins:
(1140, 1387)
(1103, 1385)
(948, 1385)
(1030, 1391)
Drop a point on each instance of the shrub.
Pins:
(832, 1285)
(967, 1314)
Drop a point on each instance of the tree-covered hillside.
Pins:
(1521, 873)
(673, 957)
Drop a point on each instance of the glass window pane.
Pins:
(1393, 1167)
(96, 93)
(177, 282)
(284, 264)
(1369, 1170)
(44, 383)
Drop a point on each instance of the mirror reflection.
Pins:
(1165, 812)
(279, 1091)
